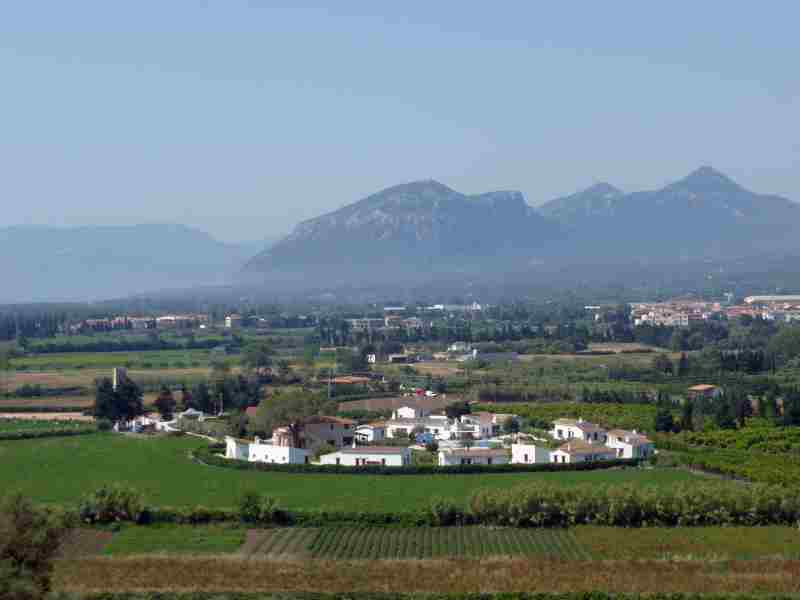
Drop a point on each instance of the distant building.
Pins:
(703, 391)
(578, 451)
(525, 454)
(233, 321)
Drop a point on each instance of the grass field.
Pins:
(62, 470)
(107, 360)
(86, 377)
(205, 539)
(7, 425)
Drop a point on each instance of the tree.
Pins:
(786, 344)
(129, 399)
(468, 441)
(725, 413)
(187, 400)
(5, 366)
(29, 540)
(201, 397)
(510, 426)
(105, 402)
(257, 357)
(791, 408)
(743, 408)
(664, 420)
(683, 365)
(455, 410)
(687, 421)
(768, 405)
(662, 364)
(165, 403)
(122, 404)
(290, 409)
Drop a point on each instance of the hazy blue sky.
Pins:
(244, 118)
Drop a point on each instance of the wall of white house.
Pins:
(350, 459)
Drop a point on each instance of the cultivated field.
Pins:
(62, 470)
(233, 574)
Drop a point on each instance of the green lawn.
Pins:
(7, 425)
(62, 470)
(180, 539)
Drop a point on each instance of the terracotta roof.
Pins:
(703, 387)
(251, 411)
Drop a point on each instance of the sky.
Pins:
(244, 118)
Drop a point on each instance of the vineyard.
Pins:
(625, 416)
(413, 543)
(772, 440)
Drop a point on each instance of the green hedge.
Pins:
(401, 596)
(42, 409)
(208, 456)
(684, 505)
(46, 433)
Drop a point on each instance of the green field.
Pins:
(62, 470)
(163, 359)
(8, 425)
(356, 543)
(201, 539)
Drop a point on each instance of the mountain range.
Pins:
(86, 263)
(416, 232)
(424, 228)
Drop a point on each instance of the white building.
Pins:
(237, 449)
(579, 451)
(371, 432)
(263, 451)
(439, 426)
(526, 454)
(368, 456)
(571, 429)
(459, 347)
(630, 444)
(472, 456)
(233, 321)
(410, 412)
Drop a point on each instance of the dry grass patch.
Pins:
(233, 574)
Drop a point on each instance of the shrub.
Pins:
(255, 508)
(443, 513)
(104, 425)
(29, 540)
(111, 504)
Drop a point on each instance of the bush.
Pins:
(255, 508)
(443, 513)
(104, 425)
(29, 540)
(111, 504)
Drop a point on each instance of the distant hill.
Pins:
(704, 215)
(425, 228)
(410, 230)
(87, 263)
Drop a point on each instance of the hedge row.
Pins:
(209, 456)
(428, 596)
(46, 433)
(688, 504)
(42, 409)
